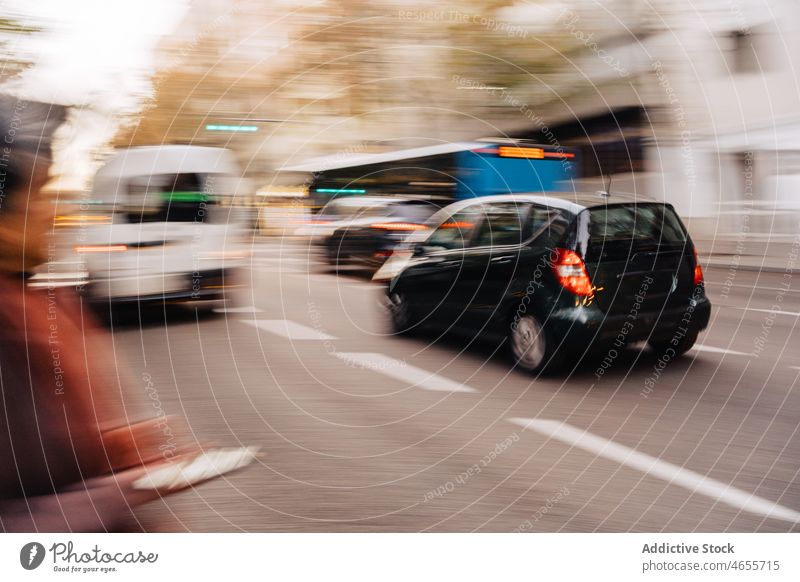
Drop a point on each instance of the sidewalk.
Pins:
(749, 263)
(752, 255)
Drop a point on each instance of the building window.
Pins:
(621, 156)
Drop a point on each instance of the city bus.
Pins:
(450, 171)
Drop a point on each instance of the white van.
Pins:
(165, 228)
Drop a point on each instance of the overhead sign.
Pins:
(232, 128)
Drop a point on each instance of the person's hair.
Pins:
(26, 135)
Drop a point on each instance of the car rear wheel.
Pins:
(685, 344)
(531, 346)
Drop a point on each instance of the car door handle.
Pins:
(501, 260)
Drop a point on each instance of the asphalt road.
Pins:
(363, 431)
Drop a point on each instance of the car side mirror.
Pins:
(419, 251)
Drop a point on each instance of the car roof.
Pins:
(573, 202)
(595, 199)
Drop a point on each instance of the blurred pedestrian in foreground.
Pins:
(62, 465)
(70, 459)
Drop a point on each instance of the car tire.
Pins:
(684, 345)
(532, 348)
(401, 314)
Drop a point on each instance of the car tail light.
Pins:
(698, 271)
(571, 272)
(459, 225)
(398, 226)
(101, 249)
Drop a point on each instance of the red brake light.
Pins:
(398, 226)
(698, 271)
(571, 272)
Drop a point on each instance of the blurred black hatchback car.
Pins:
(555, 275)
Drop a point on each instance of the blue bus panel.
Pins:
(499, 169)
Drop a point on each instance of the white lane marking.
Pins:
(792, 313)
(713, 350)
(288, 329)
(400, 370)
(654, 467)
(244, 309)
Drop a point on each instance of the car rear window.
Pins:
(503, 224)
(635, 227)
(456, 231)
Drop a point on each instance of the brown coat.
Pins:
(53, 399)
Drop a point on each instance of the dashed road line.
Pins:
(654, 467)
(400, 370)
(713, 350)
(289, 329)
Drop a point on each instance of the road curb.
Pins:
(728, 265)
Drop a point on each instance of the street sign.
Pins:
(232, 128)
